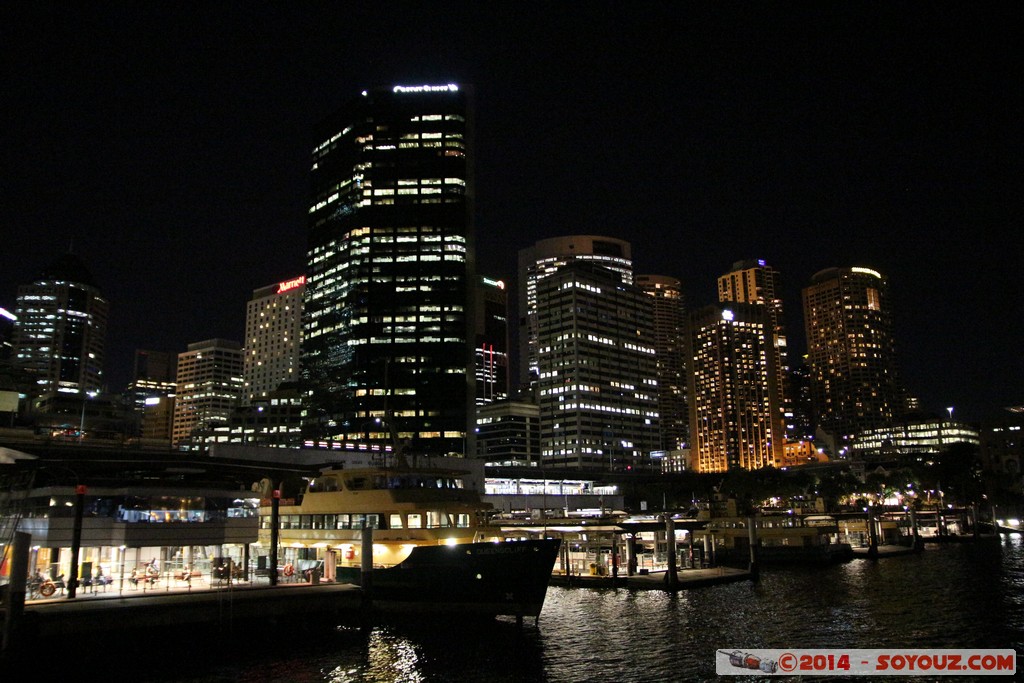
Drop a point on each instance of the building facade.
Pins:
(508, 433)
(756, 282)
(491, 354)
(547, 257)
(851, 355)
(209, 388)
(597, 371)
(669, 309)
(60, 332)
(390, 290)
(734, 405)
(273, 337)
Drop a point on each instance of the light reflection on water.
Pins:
(960, 596)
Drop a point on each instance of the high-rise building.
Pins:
(546, 257)
(209, 387)
(756, 282)
(597, 373)
(151, 393)
(388, 322)
(508, 433)
(669, 308)
(851, 353)
(491, 342)
(273, 334)
(733, 398)
(61, 329)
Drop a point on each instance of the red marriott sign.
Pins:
(291, 284)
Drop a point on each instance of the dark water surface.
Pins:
(956, 596)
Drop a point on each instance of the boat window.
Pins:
(357, 521)
(436, 520)
(341, 522)
(318, 521)
(306, 521)
(462, 520)
(415, 520)
(323, 484)
(355, 483)
(373, 521)
(395, 521)
(329, 521)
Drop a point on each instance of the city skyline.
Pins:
(811, 138)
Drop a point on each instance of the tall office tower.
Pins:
(388, 323)
(209, 387)
(755, 282)
(61, 329)
(597, 372)
(850, 352)
(734, 404)
(670, 349)
(273, 334)
(543, 259)
(491, 356)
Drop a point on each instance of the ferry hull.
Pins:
(479, 579)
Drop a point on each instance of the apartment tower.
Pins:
(756, 282)
(733, 398)
(851, 354)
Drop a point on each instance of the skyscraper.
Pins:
(546, 257)
(60, 332)
(388, 322)
(851, 352)
(491, 342)
(209, 388)
(273, 334)
(733, 398)
(756, 282)
(596, 370)
(669, 310)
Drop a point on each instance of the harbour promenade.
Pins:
(218, 609)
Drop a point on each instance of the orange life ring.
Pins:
(350, 553)
(289, 570)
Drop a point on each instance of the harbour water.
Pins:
(954, 596)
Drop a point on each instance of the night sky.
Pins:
(170, 144)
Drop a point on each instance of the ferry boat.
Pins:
(426, 533)
(780, 539)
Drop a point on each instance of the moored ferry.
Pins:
(424, 529)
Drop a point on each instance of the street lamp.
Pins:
(81, 424)
(950, 409)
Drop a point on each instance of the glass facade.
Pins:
(388, 350)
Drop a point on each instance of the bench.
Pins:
(180, 576)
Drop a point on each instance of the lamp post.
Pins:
(81, 424)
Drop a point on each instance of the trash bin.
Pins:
(314, 577)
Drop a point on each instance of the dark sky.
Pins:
(171, 143)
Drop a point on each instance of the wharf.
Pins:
(198, 612)
(656, 580)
